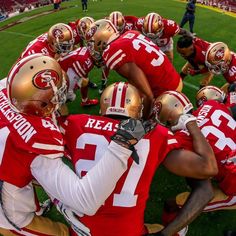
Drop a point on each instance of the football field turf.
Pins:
(210, 25)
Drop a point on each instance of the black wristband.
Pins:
(182, 75)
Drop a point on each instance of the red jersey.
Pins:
(230, 99)
(79, 60)
(230, 75)
(134, 47)
(76, 36)
(170, 29)
(23, 138)
(87, 138)
(198, 58)
(219, 128)
(39, 45)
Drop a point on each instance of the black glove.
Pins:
(130, 132)
(232, 87)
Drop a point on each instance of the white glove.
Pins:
(79, 228)
(182, 122)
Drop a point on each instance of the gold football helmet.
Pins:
(218, 58)
(209, 93)
(152, 25)
(84, 25)
(98, 37)
(60, 38)
(169, 106)
(121, 99)
(36, 85)
(117, 18)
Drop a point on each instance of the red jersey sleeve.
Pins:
(171, 28)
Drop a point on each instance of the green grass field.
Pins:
(209, 25)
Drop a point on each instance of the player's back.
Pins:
(219, 128)
(79, 60)
(134, 47)
(123, 212)
(38, 45)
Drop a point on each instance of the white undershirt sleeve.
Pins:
(87, 194)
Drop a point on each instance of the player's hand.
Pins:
(184, 119)
(130, 132)
(79, 228)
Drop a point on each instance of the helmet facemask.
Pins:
(218, 58)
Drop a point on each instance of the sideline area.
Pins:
(228, 13)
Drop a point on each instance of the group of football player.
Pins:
(144, 122)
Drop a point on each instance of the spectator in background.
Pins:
(189, 15)
(56, 4)
(84, 5)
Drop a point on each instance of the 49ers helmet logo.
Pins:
(219, 54)
(42, 79)
(90, 33)
(57, 33)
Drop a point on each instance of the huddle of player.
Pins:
(146, 118)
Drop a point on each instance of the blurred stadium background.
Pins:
(211, 24)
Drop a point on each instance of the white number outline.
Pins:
(4, 133)
(223, 141)
(141, 40)
(126, 197)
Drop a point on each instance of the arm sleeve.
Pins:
(84, 195)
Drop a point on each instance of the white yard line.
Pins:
(191, 85)
(16, 33)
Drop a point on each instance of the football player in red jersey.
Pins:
(32, 146)
(77, 64)
(136, 58)
(215, 120)
(220, 60)
(58, 40)
(194, 50)
(79, 27)
(87, 137)
(161, 31)
(125, 23)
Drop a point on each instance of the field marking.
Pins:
(191, 85)
(16, 33)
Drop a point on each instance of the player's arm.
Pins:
(201, 194)
(200, 164)
(136, 77)
(84, 195)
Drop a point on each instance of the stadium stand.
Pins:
(8, 6)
